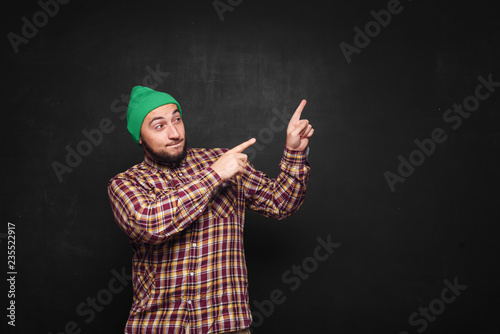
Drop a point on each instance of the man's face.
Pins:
(163, 135)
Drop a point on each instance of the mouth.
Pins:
(177, 145)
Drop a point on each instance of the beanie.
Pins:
(142, 101)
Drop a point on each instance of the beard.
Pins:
(165, 157)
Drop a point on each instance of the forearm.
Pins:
(279, 198)
(154, 215)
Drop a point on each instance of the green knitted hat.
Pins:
(142, 101)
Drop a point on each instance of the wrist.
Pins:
(296, 149)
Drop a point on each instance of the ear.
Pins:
(140, 141)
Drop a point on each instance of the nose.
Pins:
(172, 132)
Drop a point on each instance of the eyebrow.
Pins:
(161, 117)
(156, 118)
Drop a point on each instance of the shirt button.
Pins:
(189, 302)
(180, 174)
(194, 245)
(191, 273)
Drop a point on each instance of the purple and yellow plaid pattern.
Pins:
(186, 229)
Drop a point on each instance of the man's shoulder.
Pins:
(132, 173)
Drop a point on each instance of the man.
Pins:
(183, 210)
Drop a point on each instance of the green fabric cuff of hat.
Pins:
(143, 100)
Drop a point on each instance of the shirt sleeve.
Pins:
(281, 197)
(153, 215)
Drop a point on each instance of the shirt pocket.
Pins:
(144, 281)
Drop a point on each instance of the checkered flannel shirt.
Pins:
(185, 226)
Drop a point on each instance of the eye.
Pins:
(159, 126)
(177, 119)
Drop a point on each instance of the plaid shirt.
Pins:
(185, 226)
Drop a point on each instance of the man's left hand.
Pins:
(299, 130)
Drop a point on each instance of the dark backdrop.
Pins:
(414, 256)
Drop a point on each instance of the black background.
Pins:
(396, 248)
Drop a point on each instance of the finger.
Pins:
(308, 134)
(304, 132)
(241, 147)
(240, 169)
(300, 127)
(242, 157)
(298, 112)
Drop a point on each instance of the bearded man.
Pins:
(183, 210)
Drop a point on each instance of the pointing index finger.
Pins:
(243, 146)
(298, 111)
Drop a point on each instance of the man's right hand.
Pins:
(233, 162)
